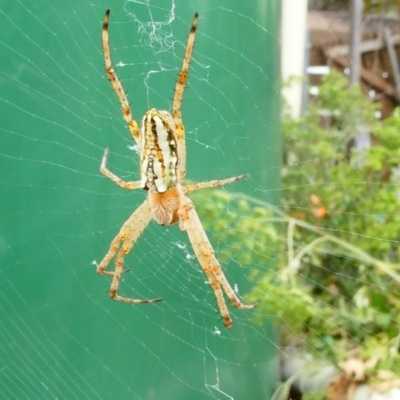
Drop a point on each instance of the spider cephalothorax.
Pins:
(161, 141)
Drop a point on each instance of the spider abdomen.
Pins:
(159, 156)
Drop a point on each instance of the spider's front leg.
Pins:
(116, 84)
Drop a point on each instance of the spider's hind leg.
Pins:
(121, 246)
(101, 268)
(117, 274)
(190, 222)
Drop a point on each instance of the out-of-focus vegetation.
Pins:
(326, 264)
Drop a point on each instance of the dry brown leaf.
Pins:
(339, 387)
(354, 368)
(389, 380)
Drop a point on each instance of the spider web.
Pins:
(61, 336)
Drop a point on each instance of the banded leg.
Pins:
(121, 246)
(211, 184)
(116, 83)
(130, 185)
(176, 105)
(190, 222)
(223, 309)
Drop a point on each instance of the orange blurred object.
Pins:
(319, 211)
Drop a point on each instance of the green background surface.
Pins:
(61, 337)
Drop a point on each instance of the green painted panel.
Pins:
(61, 336)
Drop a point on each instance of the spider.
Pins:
(161, 141)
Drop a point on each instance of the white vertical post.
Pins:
(355, 40)
(293, 37)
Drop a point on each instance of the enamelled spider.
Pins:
(161, 141)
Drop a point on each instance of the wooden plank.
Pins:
(366, 46)
(396, 39)
(369, 76)
(393, 60)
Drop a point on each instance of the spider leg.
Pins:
(105, 171)
(211, 184)
(176, 105)
(121, 246)
(189, 221)
(116, 83)
(223, 309)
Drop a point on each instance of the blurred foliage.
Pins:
(327, 265)
(330, 183)
(317, 395)
(235, 225)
